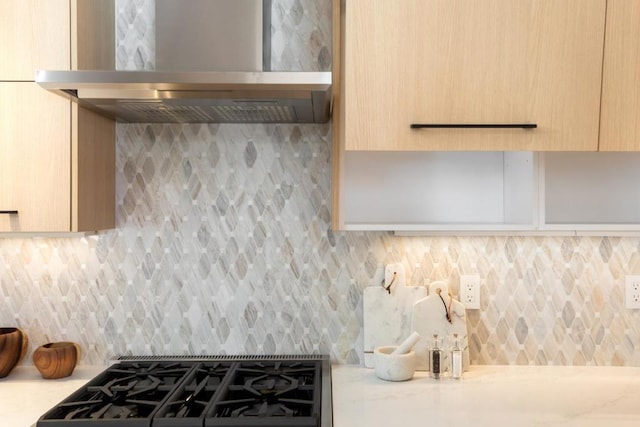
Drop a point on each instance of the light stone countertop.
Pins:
(25, 396)
(492, 396)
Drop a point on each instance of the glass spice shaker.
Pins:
(456, 359)
(435, 359)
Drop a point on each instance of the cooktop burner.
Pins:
(271, 390)
(291, 391)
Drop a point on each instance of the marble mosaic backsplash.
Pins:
(223, 245)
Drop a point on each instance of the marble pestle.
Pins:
(406, 345)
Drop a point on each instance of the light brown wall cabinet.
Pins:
(31, 32)
(35, 155)
(57, 160)
(472, 62)
(620, 115)
(389, 177)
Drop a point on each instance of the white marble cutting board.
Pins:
(387, 317)
(429, 318)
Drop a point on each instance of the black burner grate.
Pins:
(200, 392)
(192, 398)
(126, 394)
(269, 393)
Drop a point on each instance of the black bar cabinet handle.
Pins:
(8, 212)
(473, 125)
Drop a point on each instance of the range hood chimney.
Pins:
(213, 60)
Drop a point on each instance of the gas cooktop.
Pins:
(239, 391)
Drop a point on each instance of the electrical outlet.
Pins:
(470, 291)
(632, 291)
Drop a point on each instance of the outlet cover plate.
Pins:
(470, 291)
(632, 292)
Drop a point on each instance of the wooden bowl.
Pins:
(13, 347)
(56, 359)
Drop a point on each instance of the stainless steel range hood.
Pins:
(212, 61)
(198, 97)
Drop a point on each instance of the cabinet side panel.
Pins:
(93, 34)
(620, 115)
(337, 119)
(94, 178)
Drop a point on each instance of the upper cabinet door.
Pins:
(35, 159)
(620, 115)
(460, 62)
(34, 34)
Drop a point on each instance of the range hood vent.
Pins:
(197, 97)
(221, 56)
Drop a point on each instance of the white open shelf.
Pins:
(589, 190)
(492, 192)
